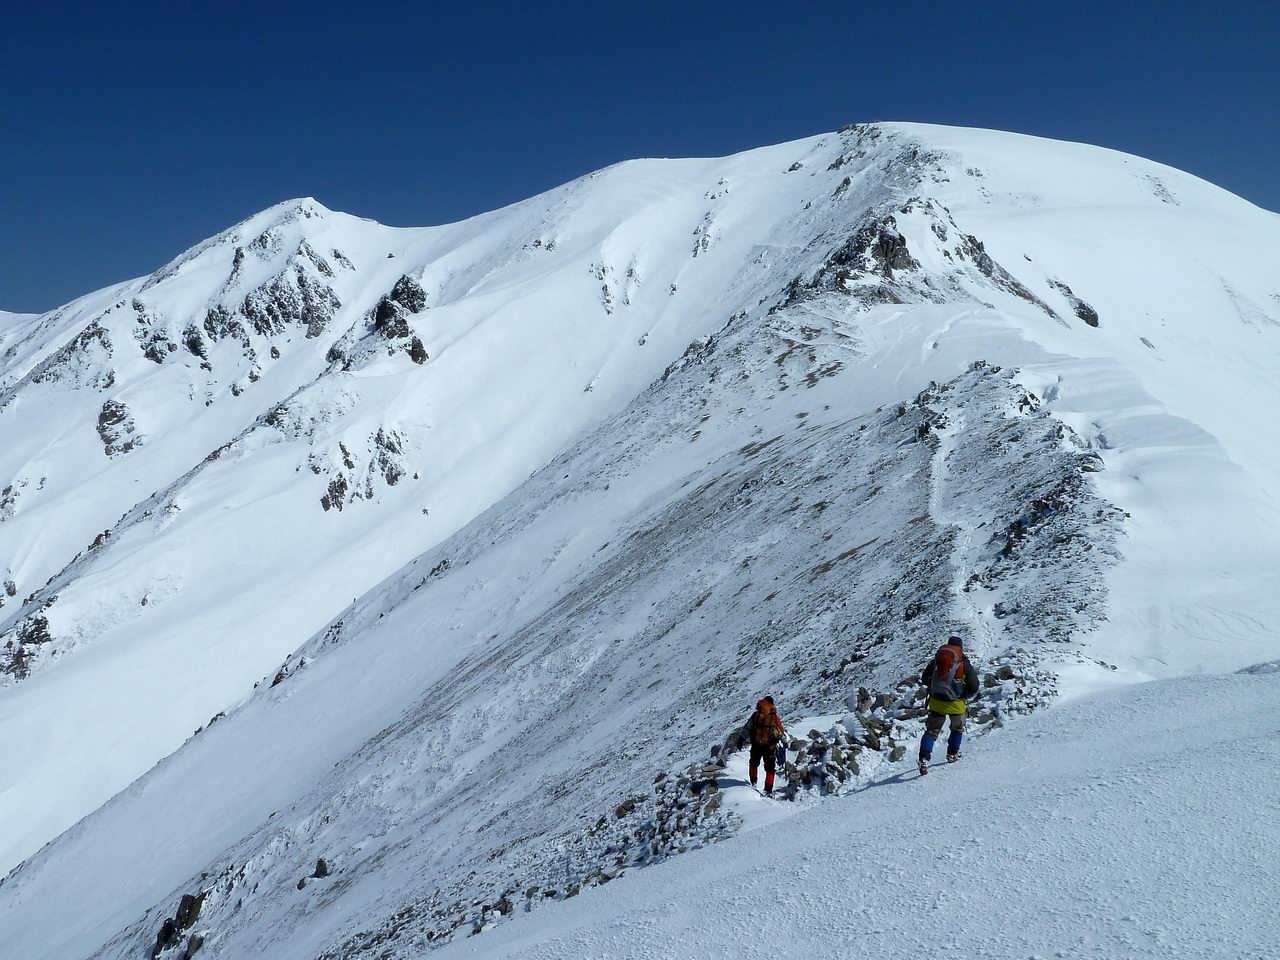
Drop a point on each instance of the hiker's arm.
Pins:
(970, 680)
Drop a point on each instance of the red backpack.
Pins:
(948, 673)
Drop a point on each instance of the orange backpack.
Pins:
(763, 724)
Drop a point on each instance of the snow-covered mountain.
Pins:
(513, 515)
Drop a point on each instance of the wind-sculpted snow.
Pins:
(600, 469)
(1055, 833)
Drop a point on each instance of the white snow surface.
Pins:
(1095, 830)
(646, 446)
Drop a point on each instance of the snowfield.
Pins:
(461, 549)
(1098, 830)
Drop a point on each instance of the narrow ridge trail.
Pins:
(970, 608)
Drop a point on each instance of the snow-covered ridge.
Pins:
(801, 410)
(1057, 829)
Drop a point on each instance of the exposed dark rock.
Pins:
(221, 324)
(974, 249)
(876, 247)
(866, 265)
(293, 297)
(194, 342)
(9, 499)
(81, 361)
(164, 937)
(387, 457)
(389, 319)
(266, 243)
(1081, 309)
(391, 315)
(409, 294)
(336, 495)
(117, 429)
(151, 335)
(189, 910)
(319, 262)
(322, 869)
(698, 352)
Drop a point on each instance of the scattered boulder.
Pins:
(409, 294)
(390, 315)
(1081, 309)
(164, 937)
(117, 429)
(389, 320)
(189, 910)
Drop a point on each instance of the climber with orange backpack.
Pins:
(766, 731)
(951, 682)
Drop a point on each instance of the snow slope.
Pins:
(938, 380)
(1096, 830)
(275, 389)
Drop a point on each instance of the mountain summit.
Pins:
(447, 541)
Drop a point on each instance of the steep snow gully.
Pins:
(599, 469)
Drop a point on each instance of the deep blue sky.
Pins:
(130, 131)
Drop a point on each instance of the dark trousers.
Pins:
(769, 753)
(933, 725)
